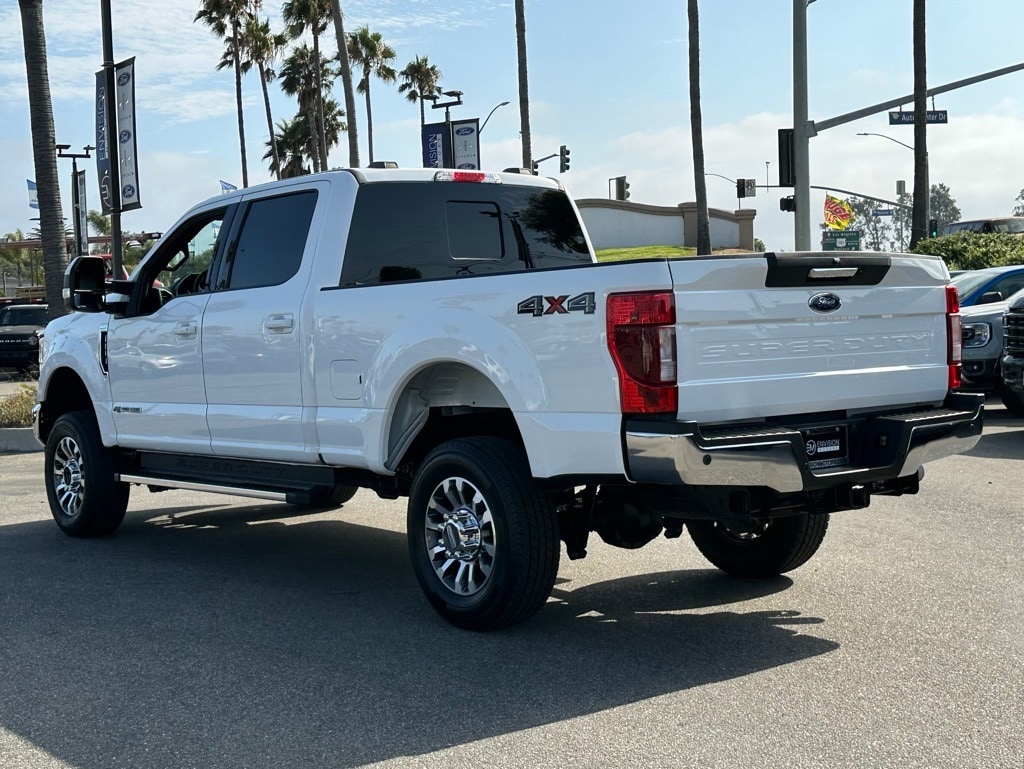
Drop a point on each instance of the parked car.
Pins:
(1011, 224)
(1013, 357)
(991, 284)
(20, 325)
(982, 336)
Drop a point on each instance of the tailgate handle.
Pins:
(823, 273)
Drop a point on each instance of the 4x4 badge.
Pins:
(825, 303)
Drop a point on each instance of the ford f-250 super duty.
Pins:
(447, 336)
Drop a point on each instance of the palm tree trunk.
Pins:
(270, 120)
(314, 141)
(697, 134)
(318, 78)
(524, 88)
(919, 225)
(423, 114)
(369, 119)
(346, 79)
(51, 220)
(238, 100)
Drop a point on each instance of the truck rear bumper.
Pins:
(880, 447)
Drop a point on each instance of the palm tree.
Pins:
(224, 18)
(311, 15)
(346, 79)
(288, 146)
(697, 133)
(262, 47)
(421, 79)
(368, 50)
(524, 88)
(299, 78)
(45, 159)
(919, 224)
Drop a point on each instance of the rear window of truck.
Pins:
(427, 230)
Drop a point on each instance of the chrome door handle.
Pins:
(185, 330)
(280, 324)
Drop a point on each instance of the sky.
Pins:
(607, 79)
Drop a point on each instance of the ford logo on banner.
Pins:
(465, 130)
(825, 303)
(469, 166)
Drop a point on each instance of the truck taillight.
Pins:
(642, 341)
(954, 338)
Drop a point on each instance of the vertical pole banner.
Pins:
(81, 214)
(466, 143)
(435, 148)
(102, 144)
(124, 92)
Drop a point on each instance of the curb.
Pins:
(18, 440)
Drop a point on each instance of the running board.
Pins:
(168, 483)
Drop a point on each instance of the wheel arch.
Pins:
(440, 401)
(64, 392)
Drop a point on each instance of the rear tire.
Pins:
(483, 537)
(1014, 401)
(782, 545)
(84, 498)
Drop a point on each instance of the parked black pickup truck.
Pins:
(1013, 357)
(20, 325)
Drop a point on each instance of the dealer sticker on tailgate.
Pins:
(826, 446)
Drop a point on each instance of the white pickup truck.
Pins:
(448, 336)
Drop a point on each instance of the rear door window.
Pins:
(271, 241)
(428, 230)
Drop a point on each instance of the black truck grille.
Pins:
(1013, 328)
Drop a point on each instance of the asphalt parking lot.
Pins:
(215, 632)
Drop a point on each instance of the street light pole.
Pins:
(801, 130)
(503, 104)
(457, 96)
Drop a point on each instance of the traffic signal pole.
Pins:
(801, 131)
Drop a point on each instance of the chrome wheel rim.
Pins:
(459, 536)
(69, 476)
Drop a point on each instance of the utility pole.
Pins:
(113, 151)
(79, 210)
(801, 130)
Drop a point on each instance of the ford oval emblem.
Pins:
(825, 303)
(465, 130)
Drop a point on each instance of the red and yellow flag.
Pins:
(838, 213)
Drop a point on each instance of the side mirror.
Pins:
(990, 296)
(84, 284)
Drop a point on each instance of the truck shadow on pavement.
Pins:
(216, 638)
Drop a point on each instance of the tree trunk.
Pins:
(369, 120)
(270, 121)
(238, 100)
(524, 88)
(313, 140)
(51, 220)
(919, 225)
(318, 79)
(697, 134)
(346, 79)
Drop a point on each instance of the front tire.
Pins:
(483, 537)
(84, 498)
(782, 545)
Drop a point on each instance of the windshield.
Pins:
(23, 316)
(969, 281)
(1008, 225)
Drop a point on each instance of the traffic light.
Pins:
(563, 159)
(741, 188)
(933, 228)
(787, 203)
(621, 188)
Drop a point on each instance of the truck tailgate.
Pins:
(800, 333)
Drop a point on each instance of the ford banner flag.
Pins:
(466, 143)
(120, 139)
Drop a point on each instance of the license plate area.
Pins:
(827, 446)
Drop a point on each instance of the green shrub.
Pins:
(972, 251)
(16, 410)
